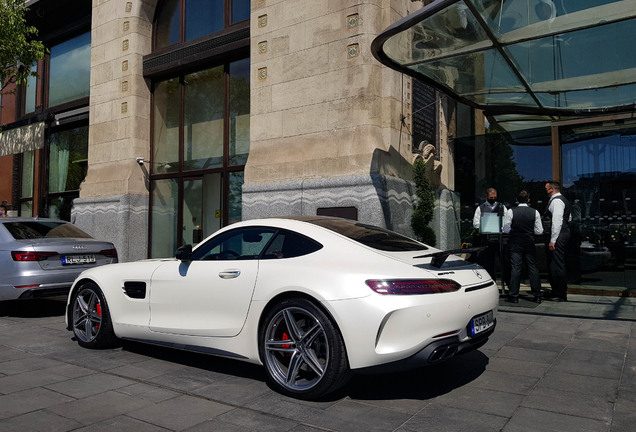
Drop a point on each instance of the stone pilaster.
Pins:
(323, 109)
(115, 189)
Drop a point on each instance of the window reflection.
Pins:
(509, 163)
(167, 25)
(166, 127)
(239, 111)
(68, 159)
(599, 176)
(240, 10)
(235, 200)
(29, 103)
(69, 71)
(203, 119)
(203, 17)
(164, 218)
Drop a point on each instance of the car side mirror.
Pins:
(184, 253)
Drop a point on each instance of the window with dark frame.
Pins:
(180, 21)
(200, 139)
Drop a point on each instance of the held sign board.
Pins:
(424, 114)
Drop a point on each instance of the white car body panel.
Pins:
(222, 299)
(224, 318)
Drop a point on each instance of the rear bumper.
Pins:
(434, 352)
(50, 290)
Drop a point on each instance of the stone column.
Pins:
(113, 203)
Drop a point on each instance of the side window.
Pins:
(289, 244)
(240, 244)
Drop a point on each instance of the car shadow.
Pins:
(424, 383)
(196, 360)
(420, 384)
(33, 308)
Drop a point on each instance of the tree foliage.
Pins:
(18, 49)
(423, 213)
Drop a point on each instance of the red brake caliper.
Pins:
(99, 313)
(285, 337)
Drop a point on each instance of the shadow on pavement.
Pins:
(33, 308)
(423, 383)
(197, 360)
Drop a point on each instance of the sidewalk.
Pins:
(548, 367)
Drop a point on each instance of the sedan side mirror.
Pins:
(184, 253)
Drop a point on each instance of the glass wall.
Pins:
(200, 145)
(69, 70)
(598, 169)
(507, 162)
(599, 179)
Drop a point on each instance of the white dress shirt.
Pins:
(538, 226)
(556, 207)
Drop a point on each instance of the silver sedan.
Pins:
(42, 257)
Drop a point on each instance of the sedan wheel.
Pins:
(303, 352)
(91, 320)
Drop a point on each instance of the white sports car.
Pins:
(311, 298)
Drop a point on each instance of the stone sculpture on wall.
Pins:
(433, 167)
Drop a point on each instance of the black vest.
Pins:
(522, 229)
(547, 216)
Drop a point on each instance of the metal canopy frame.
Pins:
(432, 61)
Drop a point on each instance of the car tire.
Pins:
(302, 350)
(90, 317)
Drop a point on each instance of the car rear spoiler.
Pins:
(438, 258)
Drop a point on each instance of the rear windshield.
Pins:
(40, 229)
(368, 235)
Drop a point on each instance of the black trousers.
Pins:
(556, 264)
(488, 257)
(516, 260)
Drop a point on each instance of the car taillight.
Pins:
(31, 256)
(110, 253)
(407, 287)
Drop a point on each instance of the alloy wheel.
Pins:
(296, 349)
(87, 315)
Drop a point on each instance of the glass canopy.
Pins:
(548, 57)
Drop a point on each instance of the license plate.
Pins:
(481, 323)
(78, 259)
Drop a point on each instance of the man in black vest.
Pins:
(487, 258)
(557, 216)
(523, 222)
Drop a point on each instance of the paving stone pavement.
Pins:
(550, 367)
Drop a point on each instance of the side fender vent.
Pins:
(136, 290)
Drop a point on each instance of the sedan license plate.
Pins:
(481, 323)
(78, 259)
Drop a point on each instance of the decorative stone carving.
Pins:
(433, 167)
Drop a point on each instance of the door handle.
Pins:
(229, 274)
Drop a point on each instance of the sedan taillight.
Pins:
(31, 256)
(407, 287)
(110, 253)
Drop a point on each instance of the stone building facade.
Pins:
(327, 128)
